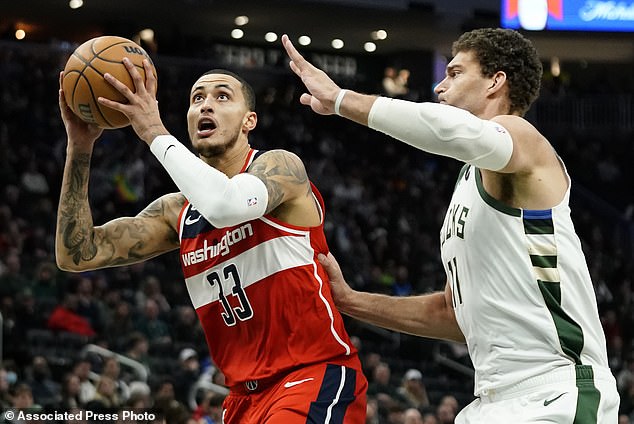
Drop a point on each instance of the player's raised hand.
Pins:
(322, 91)
(142, 107)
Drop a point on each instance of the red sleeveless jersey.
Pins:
(261, 295)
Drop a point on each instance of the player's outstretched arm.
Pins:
(435, 128)
(80, 246)
(429, 315)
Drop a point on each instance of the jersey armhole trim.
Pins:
(181, 217)
(493, 202)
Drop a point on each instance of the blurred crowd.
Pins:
(384, 206)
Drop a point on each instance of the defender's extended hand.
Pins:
(323, 90)
(338, 286)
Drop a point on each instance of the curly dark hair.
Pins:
(506, 50)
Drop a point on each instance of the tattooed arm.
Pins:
(288, 186)
(80, 246)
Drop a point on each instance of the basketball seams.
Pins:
(90, 62)
(111, 61)
(96, 55)
(96, 103)
(72, 93)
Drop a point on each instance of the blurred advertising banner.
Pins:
(568, 15)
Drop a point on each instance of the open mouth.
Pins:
(206, 127)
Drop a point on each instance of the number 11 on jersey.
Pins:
(456, 296)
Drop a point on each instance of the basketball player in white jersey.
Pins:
(518, 289)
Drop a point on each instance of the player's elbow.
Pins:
(66, 263)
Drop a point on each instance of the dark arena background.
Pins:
(62, 332)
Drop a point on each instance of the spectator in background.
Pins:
(88, 305)
(65, 317)
(22, 398)
(152, 326)
(138, 348)
(413, 390)
(46, 392)
(370, 361)
(185, 326)
(27, 313)
(166, 402)
(105, 399)
(33, 181)
(112, 368)
(412, 416)
(82, 369)
(71, 392)
(45, 284)
(187, 374)
(140, 395)
(402, 80)
(373, 415)
(447, 410)
(13, 279)
(151, 289)
(5, 386)
(395, 82)
(402, 285)
(381, 386)
(430, 418)
(209, 410)
(119, 321)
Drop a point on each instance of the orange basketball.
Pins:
(83, 78)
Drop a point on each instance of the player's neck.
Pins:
(499, 105)
(232, 160)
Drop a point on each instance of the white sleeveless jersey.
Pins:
(521, 288)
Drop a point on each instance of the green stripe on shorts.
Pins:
(588, 397)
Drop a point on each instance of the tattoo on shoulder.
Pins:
(280, 171)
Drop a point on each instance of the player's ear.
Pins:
(497, 81)
(250, 121)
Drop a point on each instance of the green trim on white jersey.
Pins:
(522, 292)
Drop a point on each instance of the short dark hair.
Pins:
(509, 51)
(247, 90)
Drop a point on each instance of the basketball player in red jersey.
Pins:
(249, 225)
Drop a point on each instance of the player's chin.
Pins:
(206, 147)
